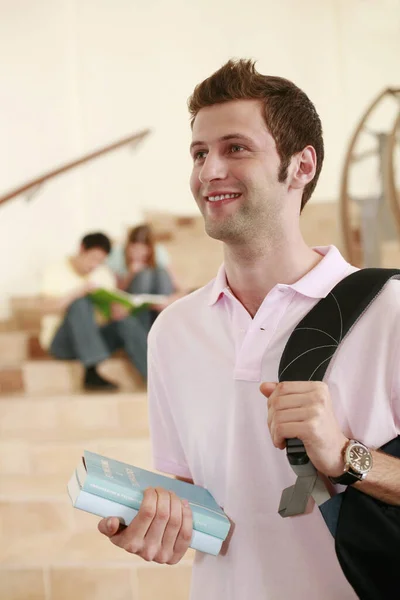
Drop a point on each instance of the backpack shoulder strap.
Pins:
(316, 338)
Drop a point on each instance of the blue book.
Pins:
(125, 484)
(102, 507)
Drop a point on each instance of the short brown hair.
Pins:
(290, 116)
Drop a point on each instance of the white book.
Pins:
(102, 507)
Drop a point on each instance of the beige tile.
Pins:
(57, 459)
(163, 581)
(136, 452)
(14, 458)
(91, 584)
(11, 380)
(13, 347)
(105, 418)
(25, 418)
(29, 519)
(52, 377)
(14, 486)
(134, 415)
(22, 584)
(61, 459)
(83, 548)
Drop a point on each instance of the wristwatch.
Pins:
(357, 463)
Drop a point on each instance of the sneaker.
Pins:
(94, 381)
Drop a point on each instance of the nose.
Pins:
(214, 167)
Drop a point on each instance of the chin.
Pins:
(220, 231)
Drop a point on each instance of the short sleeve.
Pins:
(168, 454)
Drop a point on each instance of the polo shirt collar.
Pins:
(317, 283)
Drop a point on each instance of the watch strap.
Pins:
(347, 478)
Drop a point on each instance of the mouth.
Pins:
(221, 198)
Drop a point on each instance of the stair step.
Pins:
(11, 380)
(96, 582)
(13, 347)
(40, 469)
(45, 377)
(74, 418)
(42, 522)
(27, 312)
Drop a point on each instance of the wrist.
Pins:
(338, 467)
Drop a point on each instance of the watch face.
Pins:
(359, 458)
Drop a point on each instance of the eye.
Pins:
(199, 155)
(235, 148)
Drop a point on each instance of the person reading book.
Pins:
(143, 267)
(217, 415)
(73, 329)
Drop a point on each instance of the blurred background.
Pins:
(77, 76)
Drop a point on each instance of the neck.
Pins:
(253, 269)
(76, 265)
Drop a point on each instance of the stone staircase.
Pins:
(48, 550)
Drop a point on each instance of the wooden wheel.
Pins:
(368, 188)
(393, 171)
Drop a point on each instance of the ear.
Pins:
(304, 166)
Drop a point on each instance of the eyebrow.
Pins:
(224, 138)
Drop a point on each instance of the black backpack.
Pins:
(367, 533)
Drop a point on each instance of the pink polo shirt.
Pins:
(207, 357)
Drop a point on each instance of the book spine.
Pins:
(203, 520)
(208, 522)
(104, 508)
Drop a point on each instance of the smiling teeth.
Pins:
(222, 197)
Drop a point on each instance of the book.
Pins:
(123, 483)
(102, 507)
(102, 298)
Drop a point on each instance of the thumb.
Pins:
(109, 527)
(267, 387)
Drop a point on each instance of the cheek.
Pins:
(195, 182)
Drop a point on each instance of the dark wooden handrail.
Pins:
(135, 138)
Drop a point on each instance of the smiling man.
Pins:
(257, 152)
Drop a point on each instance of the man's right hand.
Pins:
(161, 531)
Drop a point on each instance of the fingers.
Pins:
(160, 532)
(167, 521)
(291, 387)
(109, 527)
(185, 534)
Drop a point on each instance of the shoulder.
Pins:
(56, 268)
(389, 298)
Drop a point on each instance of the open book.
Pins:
(103, 298)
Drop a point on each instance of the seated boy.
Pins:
(72, 329)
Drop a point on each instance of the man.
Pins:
(257, 153)
(72, 329)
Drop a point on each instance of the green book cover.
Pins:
(126, 483)
(103, 298)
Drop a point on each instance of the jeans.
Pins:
(80, 337)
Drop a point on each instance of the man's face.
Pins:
(235, 171)
(89, 260)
